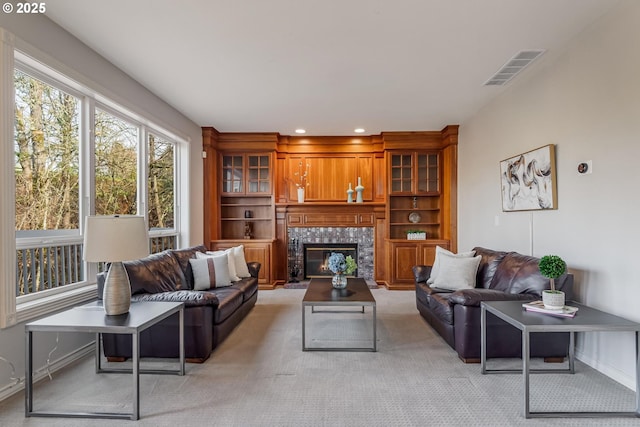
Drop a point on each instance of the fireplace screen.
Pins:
(316, 258)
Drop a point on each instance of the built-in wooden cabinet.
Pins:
(246, 173)
(404, 254)
(409, 179)
(414, 194)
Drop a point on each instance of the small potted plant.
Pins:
(340, 266)
(552, 267)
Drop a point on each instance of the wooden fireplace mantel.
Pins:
(331, 214)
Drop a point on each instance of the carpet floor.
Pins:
(260, 377)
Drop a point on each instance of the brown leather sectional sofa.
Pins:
(209, 316)
(501, 276)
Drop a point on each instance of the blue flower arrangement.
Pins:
(339, 264)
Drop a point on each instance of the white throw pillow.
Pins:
(436, 263)
(241, 264)
(232, 261)
(210, 272)
(457, 272)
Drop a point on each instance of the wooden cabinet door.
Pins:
(427, 173)
(404, 257)
(233, 174)
(258, 172)
(401, 173)
(262, 254)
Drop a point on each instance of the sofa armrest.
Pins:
(189, 298)
(473, 297)
(421, 273)
(254, 268)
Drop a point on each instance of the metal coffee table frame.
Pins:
(586, 320)
(320, 292)
(91, 318)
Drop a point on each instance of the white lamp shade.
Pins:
(115, 238)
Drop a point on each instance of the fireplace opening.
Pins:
(316, 258)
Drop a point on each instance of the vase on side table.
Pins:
(339, 281)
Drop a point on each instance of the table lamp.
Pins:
(114, 239)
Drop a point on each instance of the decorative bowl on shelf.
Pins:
(414, 217)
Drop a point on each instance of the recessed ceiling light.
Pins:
(358, 130)
(301, 131)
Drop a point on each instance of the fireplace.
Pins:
(316, 257)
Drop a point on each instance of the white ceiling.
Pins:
(325, 65)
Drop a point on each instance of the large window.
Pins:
(46, 149)
(75, 153)
(116, 165)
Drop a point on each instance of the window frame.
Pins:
(15, 54)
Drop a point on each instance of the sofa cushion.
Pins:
(440, 306)
(519, 273)
(183, 256)
(229, 299)
(231, 258)
(457, 272)
(241, 263)
(155, 273)
(210, 271)
(435, 271)
(248, 286)
(488, 265)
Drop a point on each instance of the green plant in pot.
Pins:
(552, 267)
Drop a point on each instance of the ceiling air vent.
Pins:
(516, 64)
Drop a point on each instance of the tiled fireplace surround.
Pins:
(363, 236)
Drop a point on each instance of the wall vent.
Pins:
(513, 66)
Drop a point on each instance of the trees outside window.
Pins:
(161, 183)
(49, 165)
(46, 150)
(116, 171)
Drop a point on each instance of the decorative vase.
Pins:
(300, 195)
(116, 294)
(339, 281)
(350, 194)
(359, 190)
(553, 300)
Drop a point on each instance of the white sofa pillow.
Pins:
(457, 272)
(436, 263)
(233, 276)
(210, 272)
(241, 264)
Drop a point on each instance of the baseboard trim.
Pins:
(55, 366)
(615, 374)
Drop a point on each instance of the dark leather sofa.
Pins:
(501, 276)
(209, 316)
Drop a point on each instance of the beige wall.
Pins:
(586, 100)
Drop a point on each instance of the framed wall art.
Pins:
(528, 180)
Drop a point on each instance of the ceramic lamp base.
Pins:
(116, 295)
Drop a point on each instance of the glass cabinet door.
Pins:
(401, 173)
(259, 174)
(232, 174)
(428, 176)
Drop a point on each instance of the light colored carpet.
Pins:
(260, 377)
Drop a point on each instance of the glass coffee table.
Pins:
(320, 293)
